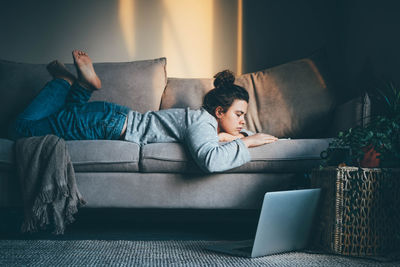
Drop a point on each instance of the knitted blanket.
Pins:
(48, 186)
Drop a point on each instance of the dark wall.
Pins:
(361, 38)
(280, 31)
(277, 32)
(372, 43)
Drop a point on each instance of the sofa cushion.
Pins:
(289, 100)
(181, 93)
(138, 85)
(104, 156)
(285, 156)
(178, 190)
(165, 190)
(87, 155)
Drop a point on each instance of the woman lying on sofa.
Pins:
(62, 109)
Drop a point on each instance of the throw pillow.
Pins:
(290, 100)
(181, 93)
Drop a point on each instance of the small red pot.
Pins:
(370, 159)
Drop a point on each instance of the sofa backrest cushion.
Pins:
(137, 84)
(289, 100)
(181, 93)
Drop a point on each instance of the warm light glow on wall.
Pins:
(125, 10)
(239, 56)
(198, 37)
(188, 37)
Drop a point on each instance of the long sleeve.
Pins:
(246, 132)
(201, 140)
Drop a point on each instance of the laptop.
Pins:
(284, 225)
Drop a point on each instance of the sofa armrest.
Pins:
(355, 112)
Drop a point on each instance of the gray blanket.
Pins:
(49, 190)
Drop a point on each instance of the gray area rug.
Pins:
(151, 253)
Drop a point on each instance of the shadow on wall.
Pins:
(276, 32)
(371, 43)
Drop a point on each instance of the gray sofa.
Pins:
(292, 100)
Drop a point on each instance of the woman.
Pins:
(62, 109)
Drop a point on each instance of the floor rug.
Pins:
(152, 253)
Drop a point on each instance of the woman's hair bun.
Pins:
(224, 78)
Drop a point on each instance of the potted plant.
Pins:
(378, 143)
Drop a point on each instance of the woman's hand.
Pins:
(258, 139)
(225, 137)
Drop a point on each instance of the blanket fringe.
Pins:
(69, 214)
(41, 216)
(58, 230)
(29, 226)
(40, 211)
(72, 208)
(48, 196)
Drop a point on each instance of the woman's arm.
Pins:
(246, 132)
(258, 139)
(250, 140)
(202, 142)
(225, 137)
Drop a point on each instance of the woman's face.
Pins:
(232, 121)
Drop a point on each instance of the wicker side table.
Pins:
(360, 210)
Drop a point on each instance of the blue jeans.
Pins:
(64, 110)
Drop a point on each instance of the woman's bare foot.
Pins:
(58, 71)
(86, 74)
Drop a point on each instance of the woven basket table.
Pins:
(360, 210)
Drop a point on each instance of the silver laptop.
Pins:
(284, 225)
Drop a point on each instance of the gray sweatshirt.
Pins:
(197, 129)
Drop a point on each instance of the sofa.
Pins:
(294, 100)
